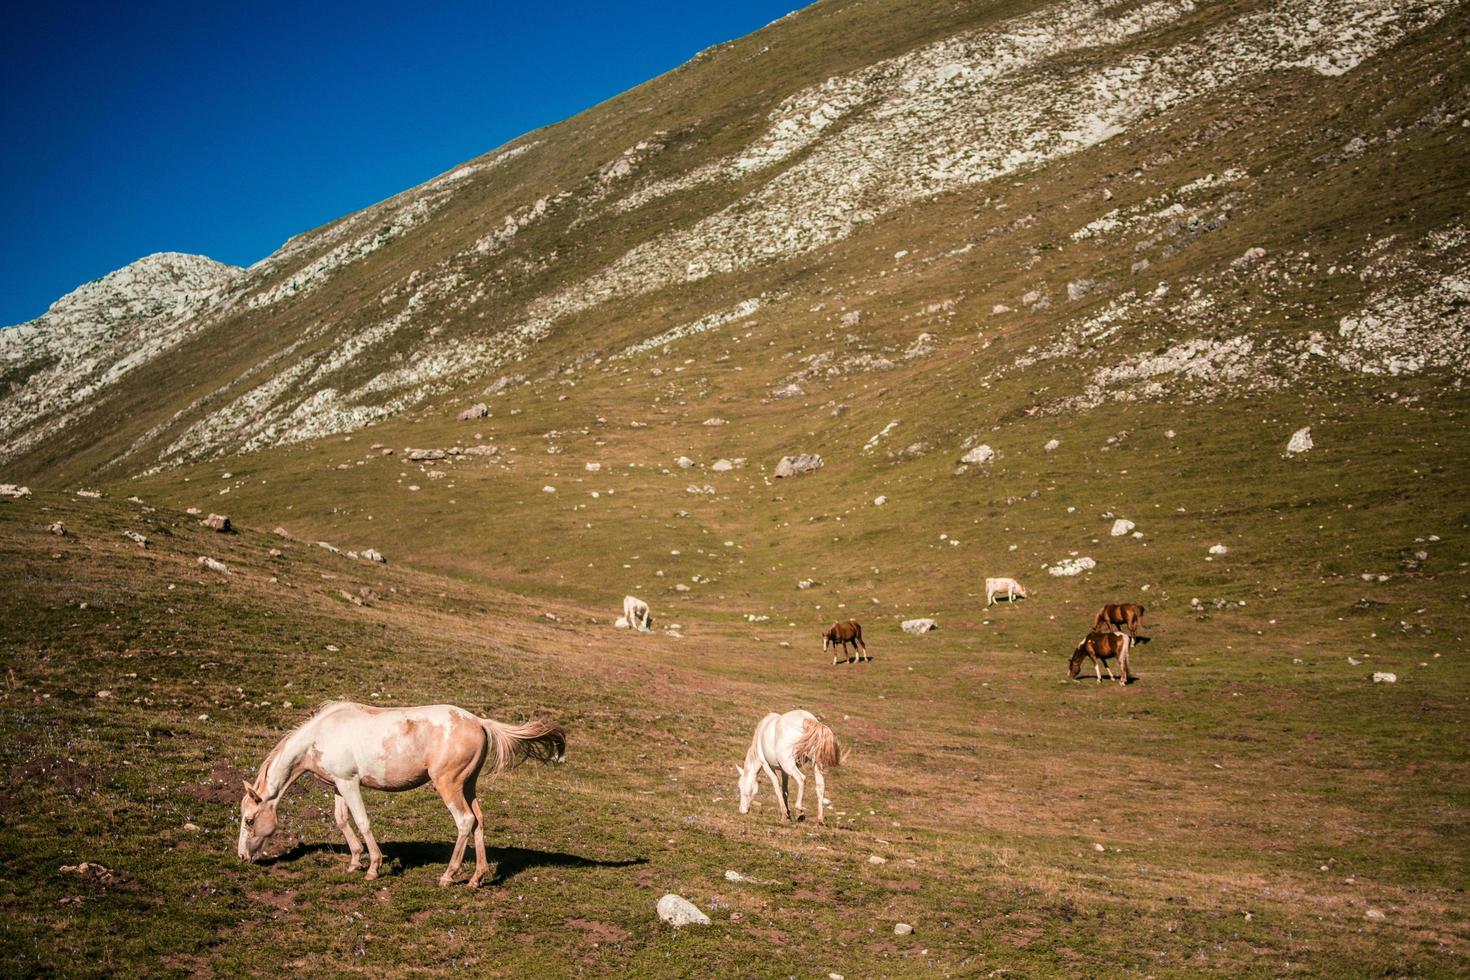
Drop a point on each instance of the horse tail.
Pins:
(857, 629)
(540, 738)
(1100, 622)
(818, 744)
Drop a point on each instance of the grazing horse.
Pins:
(349, 746)
(788, 742)
(1125, 617)
(635, 611)
(845, 633)
(995, 586)
(1102, 647)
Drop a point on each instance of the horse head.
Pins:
(257, 823)
(747, 784)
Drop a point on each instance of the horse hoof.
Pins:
(370, 875)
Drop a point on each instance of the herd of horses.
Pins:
(347, 746)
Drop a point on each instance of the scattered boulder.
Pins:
(476, 411)
(1248, 258)
(214, 566)
(805, 583)
(879, 500)
(715, 421)
(792, 390)
(1121, 527)
(134, 536)
(13, 490)
(1072, 566)
(486, 450)
(219, 522)
(281, 532)
(1052, 445)
(922, 346)
(420, 455)
(1219, 549)
(851, 318)
(684, 462)
(678, 912)
(902, 929)
(1385, 677)
(326, 546)
(722, 466)
(193, 511)
(592, 467)
(548, 489)
(373, 554)
(918, 626)
(999, 308)
(797, 465)
(1300, 441)
(90, 494)
(980, 455)
(58, 529)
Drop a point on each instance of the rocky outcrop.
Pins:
(796, 465)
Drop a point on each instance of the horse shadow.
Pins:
(507, 861)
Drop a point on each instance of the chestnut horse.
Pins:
(845, 633)
(1102, 647)
(348, 746)
(1125, 617)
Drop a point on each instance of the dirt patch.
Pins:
(65, 775)
(599, 932)
(222, 785)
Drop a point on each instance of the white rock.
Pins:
(1219, 549)
(805, 583)
(1374, 914)
(12, 490)
(136, 537)
(918, 626)
(213, 566)
(1052, 445)
(548, 489)
(1121, 527)
(722, 466)
(877, 859)
(593, 467)
(714, 421)
(1300, 442)
(678, 911)
(684, 462)
(980, 454)
(798, 464)
(879, 500)
(1385, 677)
(1072, 566)
(902, 929)
(373, 554)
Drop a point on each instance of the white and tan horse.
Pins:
(635, 611)
(787, 742)
(349, 746)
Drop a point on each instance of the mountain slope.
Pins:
(669, 207)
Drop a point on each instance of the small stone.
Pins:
(902, 929)
(879, 500)
(1385, 677)
(877, 859)
(1121, 527)
(1374, 914)
(1051, 445)
(1300, 441)
(979, 455)
(1099, 848)
(918, 626)
(1219, 549)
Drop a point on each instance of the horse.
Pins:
(635, 611)
(1102, 647)
(788, 742)
(1011, 588)
(348, 746)
(1125, 617)
(845, 633)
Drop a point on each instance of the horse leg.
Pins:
(1097, 669)
(1109, 669)
(452, 793)
(778, 789)
(800, 789)
(350, 791)
(482, 864)
(354, 846)
(821, 792)
(1123, 667)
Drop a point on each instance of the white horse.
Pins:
(348, 746)
(995, 586)
(786, 742)
(635, 611)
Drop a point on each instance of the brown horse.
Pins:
(1102, 647)
(1125, 617)
(845, 633)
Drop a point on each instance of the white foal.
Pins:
(348, 746)
(786, 742)
(1011, 588)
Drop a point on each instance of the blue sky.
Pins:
(224, 129)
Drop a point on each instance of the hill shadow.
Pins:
(507, 861)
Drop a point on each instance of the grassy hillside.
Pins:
(1283, 248)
